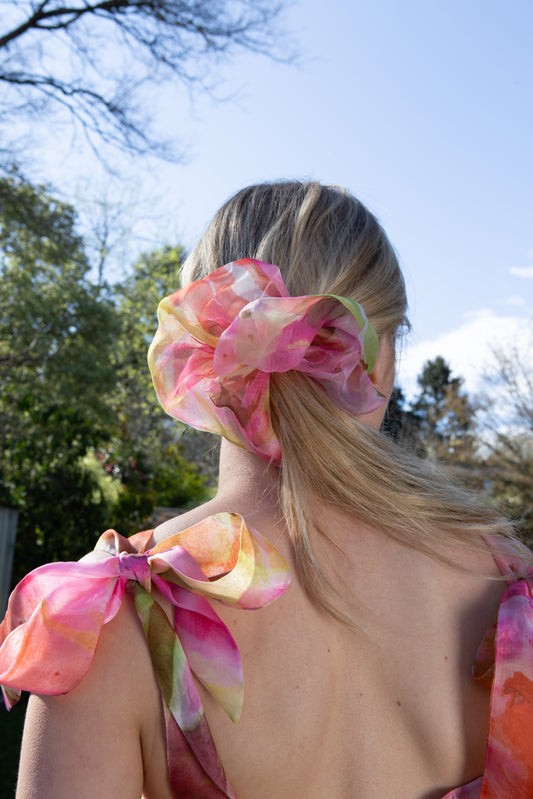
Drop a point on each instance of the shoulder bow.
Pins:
(504, 663)
(55, 615)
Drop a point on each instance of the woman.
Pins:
(359, 676)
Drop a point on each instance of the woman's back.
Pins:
(328, 711)
(392, 710)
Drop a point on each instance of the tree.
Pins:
(83, 444)
(145, 451)
(489, 449)
(445, 414)
(55, 326)
(506, 431)
(153, 276)
(91, 60)
(56, 346)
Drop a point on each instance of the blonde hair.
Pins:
(325, 241)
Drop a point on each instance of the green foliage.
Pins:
(445, 415)
(165, 479)
(83, 443)
(145, 451)
(433, 380)
(138, 416)
(55, 326)
(56, 333)
(488, 449)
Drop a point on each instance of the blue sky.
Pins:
(423, 109)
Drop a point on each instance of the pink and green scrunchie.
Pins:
(220, 338)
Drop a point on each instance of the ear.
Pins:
(382, 376)
(384, 371)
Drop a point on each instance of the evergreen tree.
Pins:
(445, 414)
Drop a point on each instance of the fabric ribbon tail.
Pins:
(186, 726)
(185, 770)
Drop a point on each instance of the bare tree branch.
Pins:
(91, 59)
(505, 424)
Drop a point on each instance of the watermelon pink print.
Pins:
(220, 338)
(55, 616)
(504, 663)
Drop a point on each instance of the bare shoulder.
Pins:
(90, 741)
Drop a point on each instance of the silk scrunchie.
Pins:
(220, 338)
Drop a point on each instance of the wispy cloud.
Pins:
(467, 349)
(519, 302)
(522, 271)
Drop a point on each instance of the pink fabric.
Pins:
(505, 660)
(220, 338)
(55, 616)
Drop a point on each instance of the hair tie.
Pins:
(220, 338)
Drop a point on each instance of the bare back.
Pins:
(392, 711)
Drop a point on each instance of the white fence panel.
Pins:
(8, 534)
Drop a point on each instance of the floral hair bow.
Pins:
(220, 338)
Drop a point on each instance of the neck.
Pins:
(245, 475)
